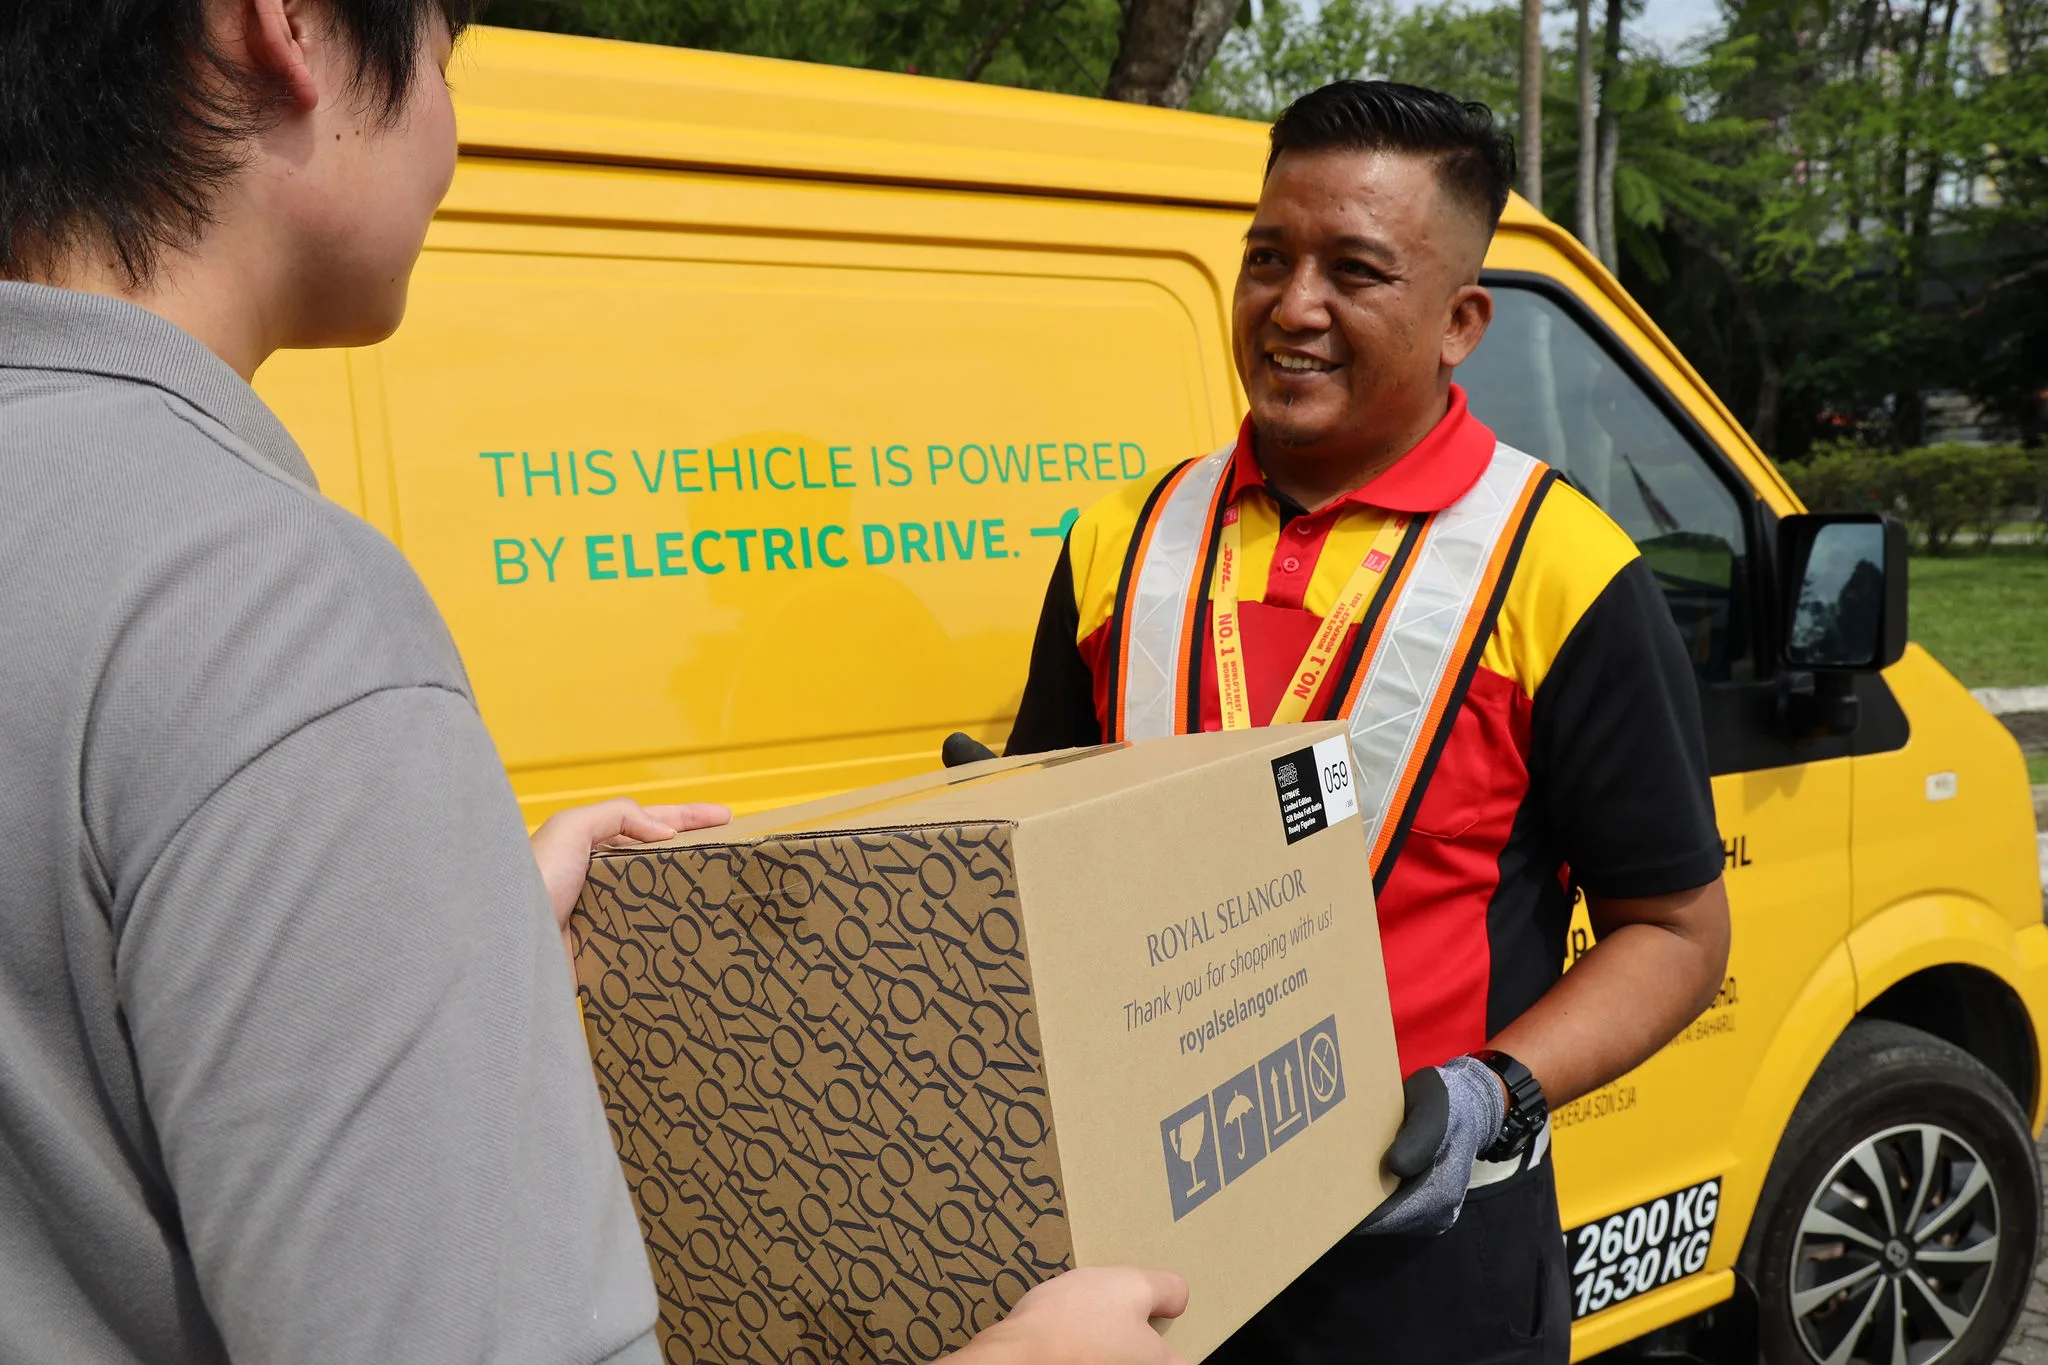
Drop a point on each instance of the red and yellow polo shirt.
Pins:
(1575, 760)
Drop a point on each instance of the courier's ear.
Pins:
(276, 36)
(1471, 312)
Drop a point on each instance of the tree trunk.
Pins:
(1770, 377)
(1165, 47)
(1610, 150)
(1610, 140)
(1589, 136)
(1531, 160)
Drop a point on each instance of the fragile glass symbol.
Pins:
(1233, 1114)
(1187, 1145)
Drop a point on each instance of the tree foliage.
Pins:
(1290, 49)
(1886, 230)
(1061, 45)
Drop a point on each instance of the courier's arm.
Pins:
(1656, 965)
(1618, 768)
(1618, 762)
(1095, 1316)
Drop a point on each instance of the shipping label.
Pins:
(1315, 787)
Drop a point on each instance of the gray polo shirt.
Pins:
(290, 1062)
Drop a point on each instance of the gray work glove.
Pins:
(961, 749)
(1454, 1113)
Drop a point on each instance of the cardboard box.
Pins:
(877, 1065)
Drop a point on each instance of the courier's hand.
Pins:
(1099, 1315)
(1454, 1112)
(563, 844)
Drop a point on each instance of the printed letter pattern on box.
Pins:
(821, 1068)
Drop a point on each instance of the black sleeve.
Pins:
(1058, 709)
(1617, 754)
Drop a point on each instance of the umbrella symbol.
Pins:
(1233, 1114)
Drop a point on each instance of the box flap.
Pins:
(1008, 790)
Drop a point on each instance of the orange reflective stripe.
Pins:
(1447, 691)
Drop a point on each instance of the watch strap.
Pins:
(1526, 1108)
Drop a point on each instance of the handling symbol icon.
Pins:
(1187, 1145)
(1192, 1147)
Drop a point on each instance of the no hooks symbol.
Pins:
(1322, 1068)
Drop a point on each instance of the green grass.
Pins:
(2037, 768)
(1985, 616)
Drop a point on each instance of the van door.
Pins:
(1556, 381)
(743, 489)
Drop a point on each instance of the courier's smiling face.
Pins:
(1346, 319)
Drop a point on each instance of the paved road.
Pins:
(2029, 1344)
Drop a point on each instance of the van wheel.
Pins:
(1899, 1222)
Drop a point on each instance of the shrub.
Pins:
(1941, 490)
(1845, 477)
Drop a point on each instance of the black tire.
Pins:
(1845, 1262)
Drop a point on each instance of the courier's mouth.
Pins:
(1297, 362)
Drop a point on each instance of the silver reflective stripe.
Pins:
(1415, 649)
(1159, 598)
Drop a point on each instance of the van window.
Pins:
(1545, 385)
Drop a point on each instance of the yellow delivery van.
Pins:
(735, 425)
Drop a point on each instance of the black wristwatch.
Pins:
(1527, 1109)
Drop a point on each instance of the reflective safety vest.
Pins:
(1409, 664)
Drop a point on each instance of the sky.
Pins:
(1671, 23)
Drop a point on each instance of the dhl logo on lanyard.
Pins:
(1226, 640)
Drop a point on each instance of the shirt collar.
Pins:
(42, 328)
(1441, 468)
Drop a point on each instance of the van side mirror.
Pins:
(1845, 591)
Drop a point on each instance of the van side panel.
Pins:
(748, 489)
(1948, 813)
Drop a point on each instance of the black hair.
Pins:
(1475, 159)
(120, 119)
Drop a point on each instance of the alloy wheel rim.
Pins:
(1895, 1250)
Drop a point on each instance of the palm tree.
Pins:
(1665, 166)
(1533, 66)
(1610, 141)
(1583, 199)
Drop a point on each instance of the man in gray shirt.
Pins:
(290, 1061)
